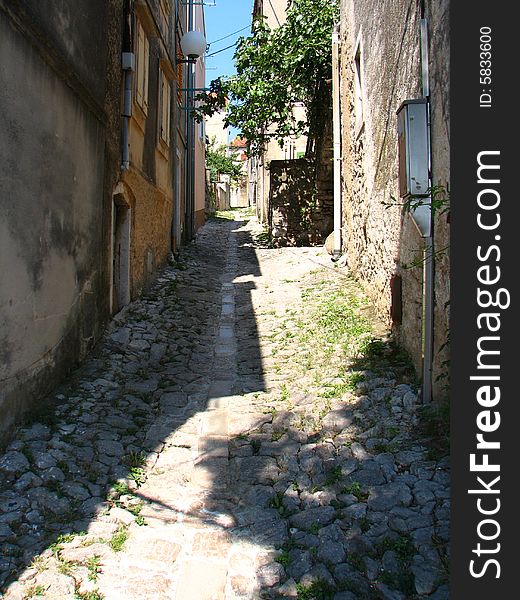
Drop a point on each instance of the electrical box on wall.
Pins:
(412, 131)
(414, 160)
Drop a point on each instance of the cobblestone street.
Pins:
(237, 434)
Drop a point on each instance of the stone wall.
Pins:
(150, 229)
(438, 15)
(300, 211)
(323, 213)
(380, 68)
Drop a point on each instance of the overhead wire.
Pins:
(221, 50)
(230, 34)
(275, 15)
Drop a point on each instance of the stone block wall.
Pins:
(380, 68)
(152, 211)
(299, 212)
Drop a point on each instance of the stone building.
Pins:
(143, 196)
(92, 175)
(199, 195)
(381, 68)
(218, 192)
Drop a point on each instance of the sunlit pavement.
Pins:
(215, 448)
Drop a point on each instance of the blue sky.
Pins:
(222, 20)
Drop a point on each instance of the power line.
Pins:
(227, 36)
(275, 15)
(222, 50)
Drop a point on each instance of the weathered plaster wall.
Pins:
(381, 240)
(53, 192)
(78, 30)
(437, 14)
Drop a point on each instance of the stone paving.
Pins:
(220, 445)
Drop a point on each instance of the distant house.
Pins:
(239, 196)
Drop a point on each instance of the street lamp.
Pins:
(193, 45)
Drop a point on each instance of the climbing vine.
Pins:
(276, 69)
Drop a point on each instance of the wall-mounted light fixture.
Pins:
(193, 45)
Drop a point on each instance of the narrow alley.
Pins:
(242, 431)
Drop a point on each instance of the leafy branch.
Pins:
(275, 70)
(437, 198)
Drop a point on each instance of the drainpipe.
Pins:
(175, 230)
(190, 139)
(428, 275)
(128, 66)
(336, 128)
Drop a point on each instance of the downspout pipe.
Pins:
(336, 128)
(128, 67)
(175, 222)
(190, 139)
(429, 273)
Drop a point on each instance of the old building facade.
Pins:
(143, 196)
(382, 66)
(93, 175)
(60, 115)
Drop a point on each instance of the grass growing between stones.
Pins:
(92, 595)
(223, 216)
(283, 558)
(356, 490)
(434, 425)
(64, 538)
(331, 330)
(317, 590)
(137, 475)
(329, 347)
(333, 476)
(118, 540)
(34, 591)
(93, 565)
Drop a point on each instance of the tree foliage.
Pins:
(276, 69)
(220, 163)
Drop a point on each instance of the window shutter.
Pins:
(165, 108)
(146, 64)
(140, 65)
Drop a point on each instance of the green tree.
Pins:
(275, 69)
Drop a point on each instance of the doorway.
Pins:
(120, 253)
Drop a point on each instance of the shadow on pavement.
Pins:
(146, 436)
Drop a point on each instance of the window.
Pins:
(358, 86)
(164, 108)
(164, 17)
(143, 59)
